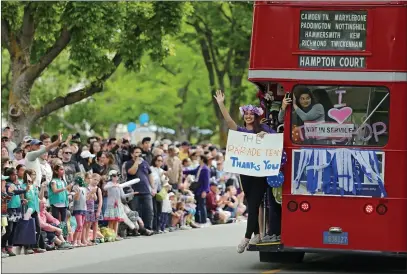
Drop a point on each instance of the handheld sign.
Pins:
(251, 155)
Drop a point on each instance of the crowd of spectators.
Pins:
(78, 193)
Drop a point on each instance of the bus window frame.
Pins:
(291, 111)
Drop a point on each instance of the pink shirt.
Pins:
(46, 220)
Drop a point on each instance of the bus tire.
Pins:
(281, 257)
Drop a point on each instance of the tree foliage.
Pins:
(98, 38)
(62, 55)
(221, 31)
(173, 93)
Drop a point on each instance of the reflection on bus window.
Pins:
(334, 115)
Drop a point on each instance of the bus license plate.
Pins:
(335, 238)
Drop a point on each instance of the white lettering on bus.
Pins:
(315, 16)
(346, 26)
(354, 35)
(332, 61)
(312, 43)
(322, 34)
(351, 17)
(353, 62)
(317, 61)
(312, 25)
(347, 44)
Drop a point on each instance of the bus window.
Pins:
(340, 115)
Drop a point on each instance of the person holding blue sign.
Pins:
(253, 187)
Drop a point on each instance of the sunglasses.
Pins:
(67, 153)
(114, 175)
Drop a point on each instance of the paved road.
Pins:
(206, 250)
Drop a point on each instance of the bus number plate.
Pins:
(335, 238)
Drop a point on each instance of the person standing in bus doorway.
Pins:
(253, 187)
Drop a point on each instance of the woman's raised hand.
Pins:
(220, 97)
(286, 102)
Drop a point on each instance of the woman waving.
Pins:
(253, 187)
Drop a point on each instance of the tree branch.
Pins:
(208, 35)
(27, 30)
(224, 13)
(71, 126)
(168, 69)
(5, 34)
(78, 95)
(59, 45)
(228, 59)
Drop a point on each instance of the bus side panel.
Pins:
(366, 232)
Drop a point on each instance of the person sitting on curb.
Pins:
(50, 224)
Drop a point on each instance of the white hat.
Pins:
(27, 139)
(86, 154)
(171, 194)
(113, 172)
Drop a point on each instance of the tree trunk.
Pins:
(238, 70)
(21, 113)
(112, 130)
(236, 92)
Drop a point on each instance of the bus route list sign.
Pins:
(333, 30)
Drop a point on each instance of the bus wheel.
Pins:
(281, 257)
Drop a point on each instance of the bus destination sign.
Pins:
(333, 30)
(340, 62)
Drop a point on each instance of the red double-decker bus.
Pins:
(345, 66)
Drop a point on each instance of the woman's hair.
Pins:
(91, 149)
(204, 159)
(274, 120)
(185, 161)
(154, 160)
(96, 176)
(322, 97)
(55, 170)
(101, 184)
(87, 175)
(4, 161)
(18, 167)
(9, 171)
(56, 161)
(303, 90)
(28, 172)
(112, 160)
